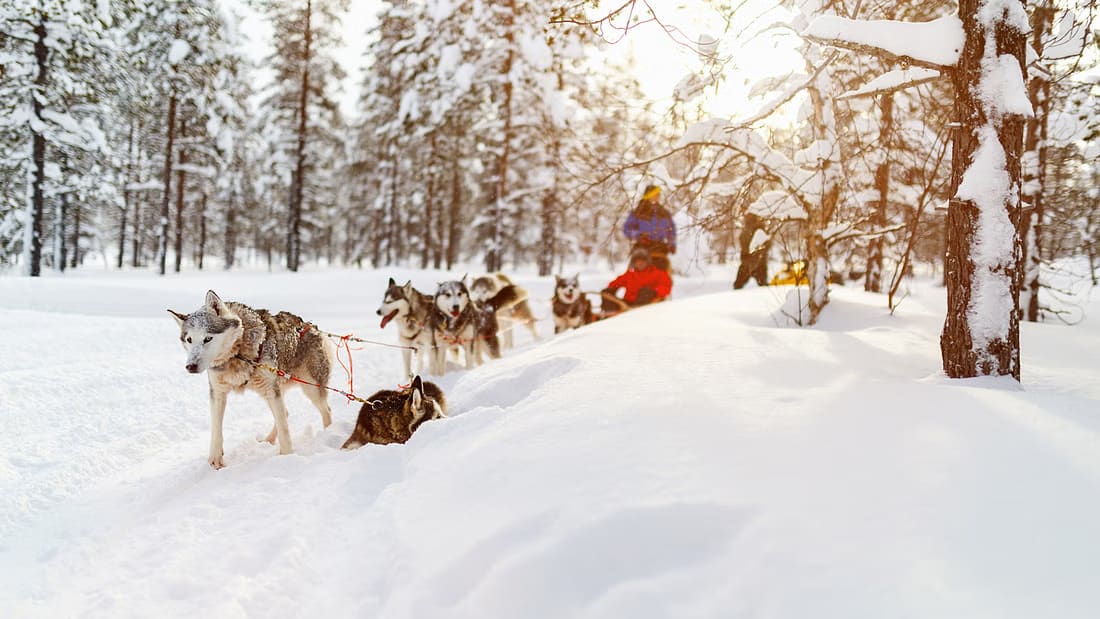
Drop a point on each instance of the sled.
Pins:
(621, 306)
(792, 273)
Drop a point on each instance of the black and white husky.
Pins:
(572, 308)
(458, 322)
(411, 309)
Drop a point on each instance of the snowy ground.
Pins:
(685, 460)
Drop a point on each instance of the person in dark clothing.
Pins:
(649, 226)
(642, 283)
(754, 264)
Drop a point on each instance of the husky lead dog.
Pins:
(508, 316)
(229, 340)
(572, 308)
(393, 416)
(412, 310)
(458, 322)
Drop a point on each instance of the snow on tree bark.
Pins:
(981, 334)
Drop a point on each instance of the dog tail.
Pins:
(506, 297)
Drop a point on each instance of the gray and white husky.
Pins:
(412, 311)
(229, 341)
(571, 307)
(484, 288)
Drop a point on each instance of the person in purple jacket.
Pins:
(650, 227)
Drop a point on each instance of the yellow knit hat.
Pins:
(652, 192)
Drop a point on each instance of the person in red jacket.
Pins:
(643, 283)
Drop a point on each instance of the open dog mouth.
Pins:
(387, 318)
(455, 313)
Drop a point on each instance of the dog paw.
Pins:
(216, 462)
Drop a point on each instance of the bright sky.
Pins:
(661, 61)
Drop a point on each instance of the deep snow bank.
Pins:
(686, 460)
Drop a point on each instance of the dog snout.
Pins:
(379, 312)
(193, 368)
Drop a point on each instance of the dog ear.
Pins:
(178, 316)
(463, 280)
(417, 392)
(214, 302)
(408, 285)
(392, 283)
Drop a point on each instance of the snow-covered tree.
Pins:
(50, 112)
(302, 122)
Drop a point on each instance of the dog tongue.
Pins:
(387, 318)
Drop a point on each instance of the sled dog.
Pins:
(572, 308)
(228, 341)
(458, 322)
(508, 316)
(412, 310)
(393, 416)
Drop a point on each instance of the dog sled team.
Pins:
(241, 348)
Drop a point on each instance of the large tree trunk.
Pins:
(294, 217)
(494, 258)
(981, 334)
(166, 196)
(32, 236)
(1035, 149)
(181, 178)
(873, 283)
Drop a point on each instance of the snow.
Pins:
(1002, 88)
(777, 205)
(685, 460)
(178, 51)
(938, 42)
(893, 80)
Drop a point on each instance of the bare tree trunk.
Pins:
(75, 257)
(970, 347)
(181, 178)
(428, 246)
(202, 230)
(32, 237)
(126, 198)
(60, 212)
(873, 283)
(138, 235)
(454, 232)
(817, 252)
(294, 217)
(395, 245)
(166, 199)
(230, 248)
(1035, 149)
(494, 258)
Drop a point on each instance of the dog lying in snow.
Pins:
(228, 341)
(393, 416)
